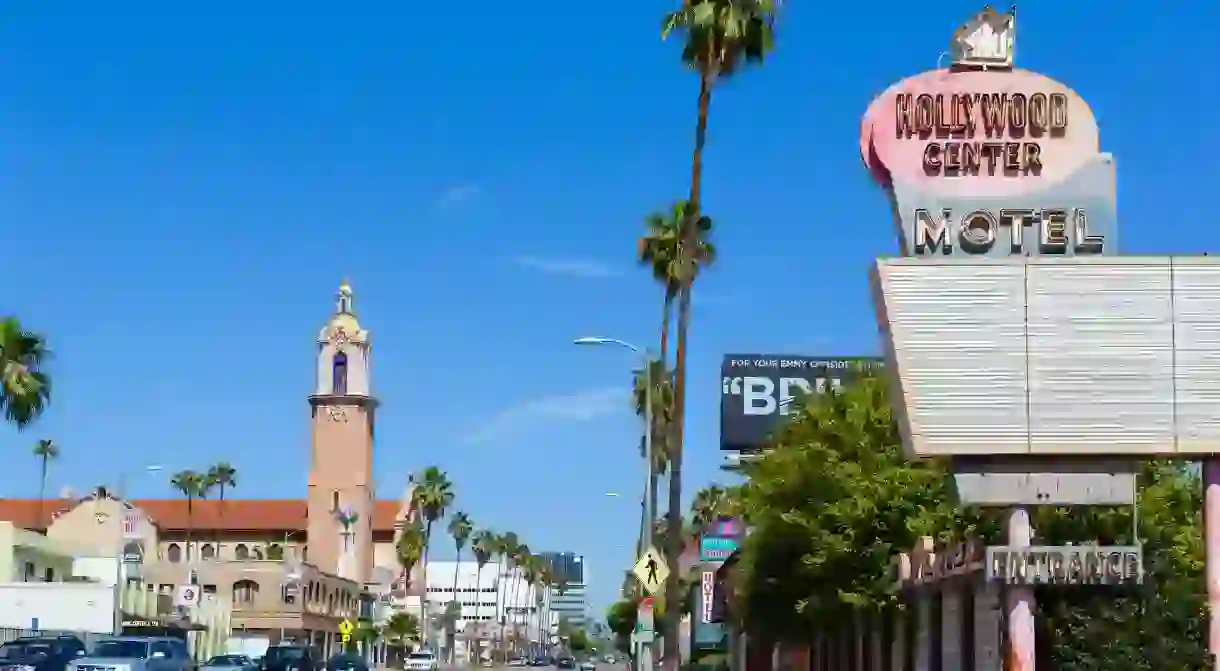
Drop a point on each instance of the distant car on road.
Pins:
(516, 661)
(565, 662)
(588, 665)
(40, 653)
(229, 663)
(422, 661)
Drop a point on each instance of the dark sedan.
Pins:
(346, 661)
(565, 662)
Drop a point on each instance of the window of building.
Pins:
(244, 592)
(339, 374)
(241, 552)
(334, 499)
(207, 551)
(173, 553)
(209, 589)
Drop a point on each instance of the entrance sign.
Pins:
(651, 571)
(1066, 565)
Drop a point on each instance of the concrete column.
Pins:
(923, 631)
(1211, 536)
(1019, 599)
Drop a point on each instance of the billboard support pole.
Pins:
(1211, 537)
(1019, 599)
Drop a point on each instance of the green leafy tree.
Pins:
(401, 630)
(621, 619)
(1161, 625)
(46, 451)
(829, 507)
(25, 386)
(578, 641)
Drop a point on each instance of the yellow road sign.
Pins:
(346, 627)
(651, 571)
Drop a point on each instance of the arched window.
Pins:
(133, 549)
(339, 374)
(173, 553)
(244, 592)
(207, 551)
(241, 552)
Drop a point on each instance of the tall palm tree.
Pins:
(520, 560)
(409, 549)
(506, 547)
(529, 577)
(460, 528)
(193, 486)
(719, 36)
(546, 579)
(25, 387)
(223, 476)
(433, 494)
(483, 546)
(46, 451)
(662, 414)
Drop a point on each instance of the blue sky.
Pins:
(182, 188)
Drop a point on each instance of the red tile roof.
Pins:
(232, 515)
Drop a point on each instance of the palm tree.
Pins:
(223, 476)
(460, 527)
(25, 388)
(483, 546)
(520, 560)
(506, 547)
(711, 503)
(529, 576)
(409, 549)
(546, 579)
(46, 451)
(662, 414)
(719, 36)
(193, 486)
(433, 494)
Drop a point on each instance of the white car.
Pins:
(422, 661)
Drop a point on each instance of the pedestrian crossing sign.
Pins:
(651, 571)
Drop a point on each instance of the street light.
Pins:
(644, 659)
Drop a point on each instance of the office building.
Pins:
(568, 598)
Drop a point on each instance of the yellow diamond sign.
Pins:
(651, 571)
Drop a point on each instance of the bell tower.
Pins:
(341, 492)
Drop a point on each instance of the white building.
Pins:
(494, 596)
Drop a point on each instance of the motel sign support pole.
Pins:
(1211, 537)
(1019, 599)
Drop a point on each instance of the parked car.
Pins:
(422, 660)
(288, 658)
(136, 653)
(40, 653)
(346, 661)
(229, 663)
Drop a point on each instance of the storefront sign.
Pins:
(1066, 565)
(708, 595)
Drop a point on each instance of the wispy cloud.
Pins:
(581, 406)
(457, 195)
(571, 267)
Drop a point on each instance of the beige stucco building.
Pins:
(294, 566)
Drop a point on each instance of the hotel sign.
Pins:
(991, 162)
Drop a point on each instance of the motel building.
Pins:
(287, 570)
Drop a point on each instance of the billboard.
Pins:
(757, 392)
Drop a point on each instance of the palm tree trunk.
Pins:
(516, 604)
(674, 539)
(667, 317)
(425, 621)
(190, 527)
(457, 565)
(501, 601)
(222, 519)
(478, 610)
(42, 497)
